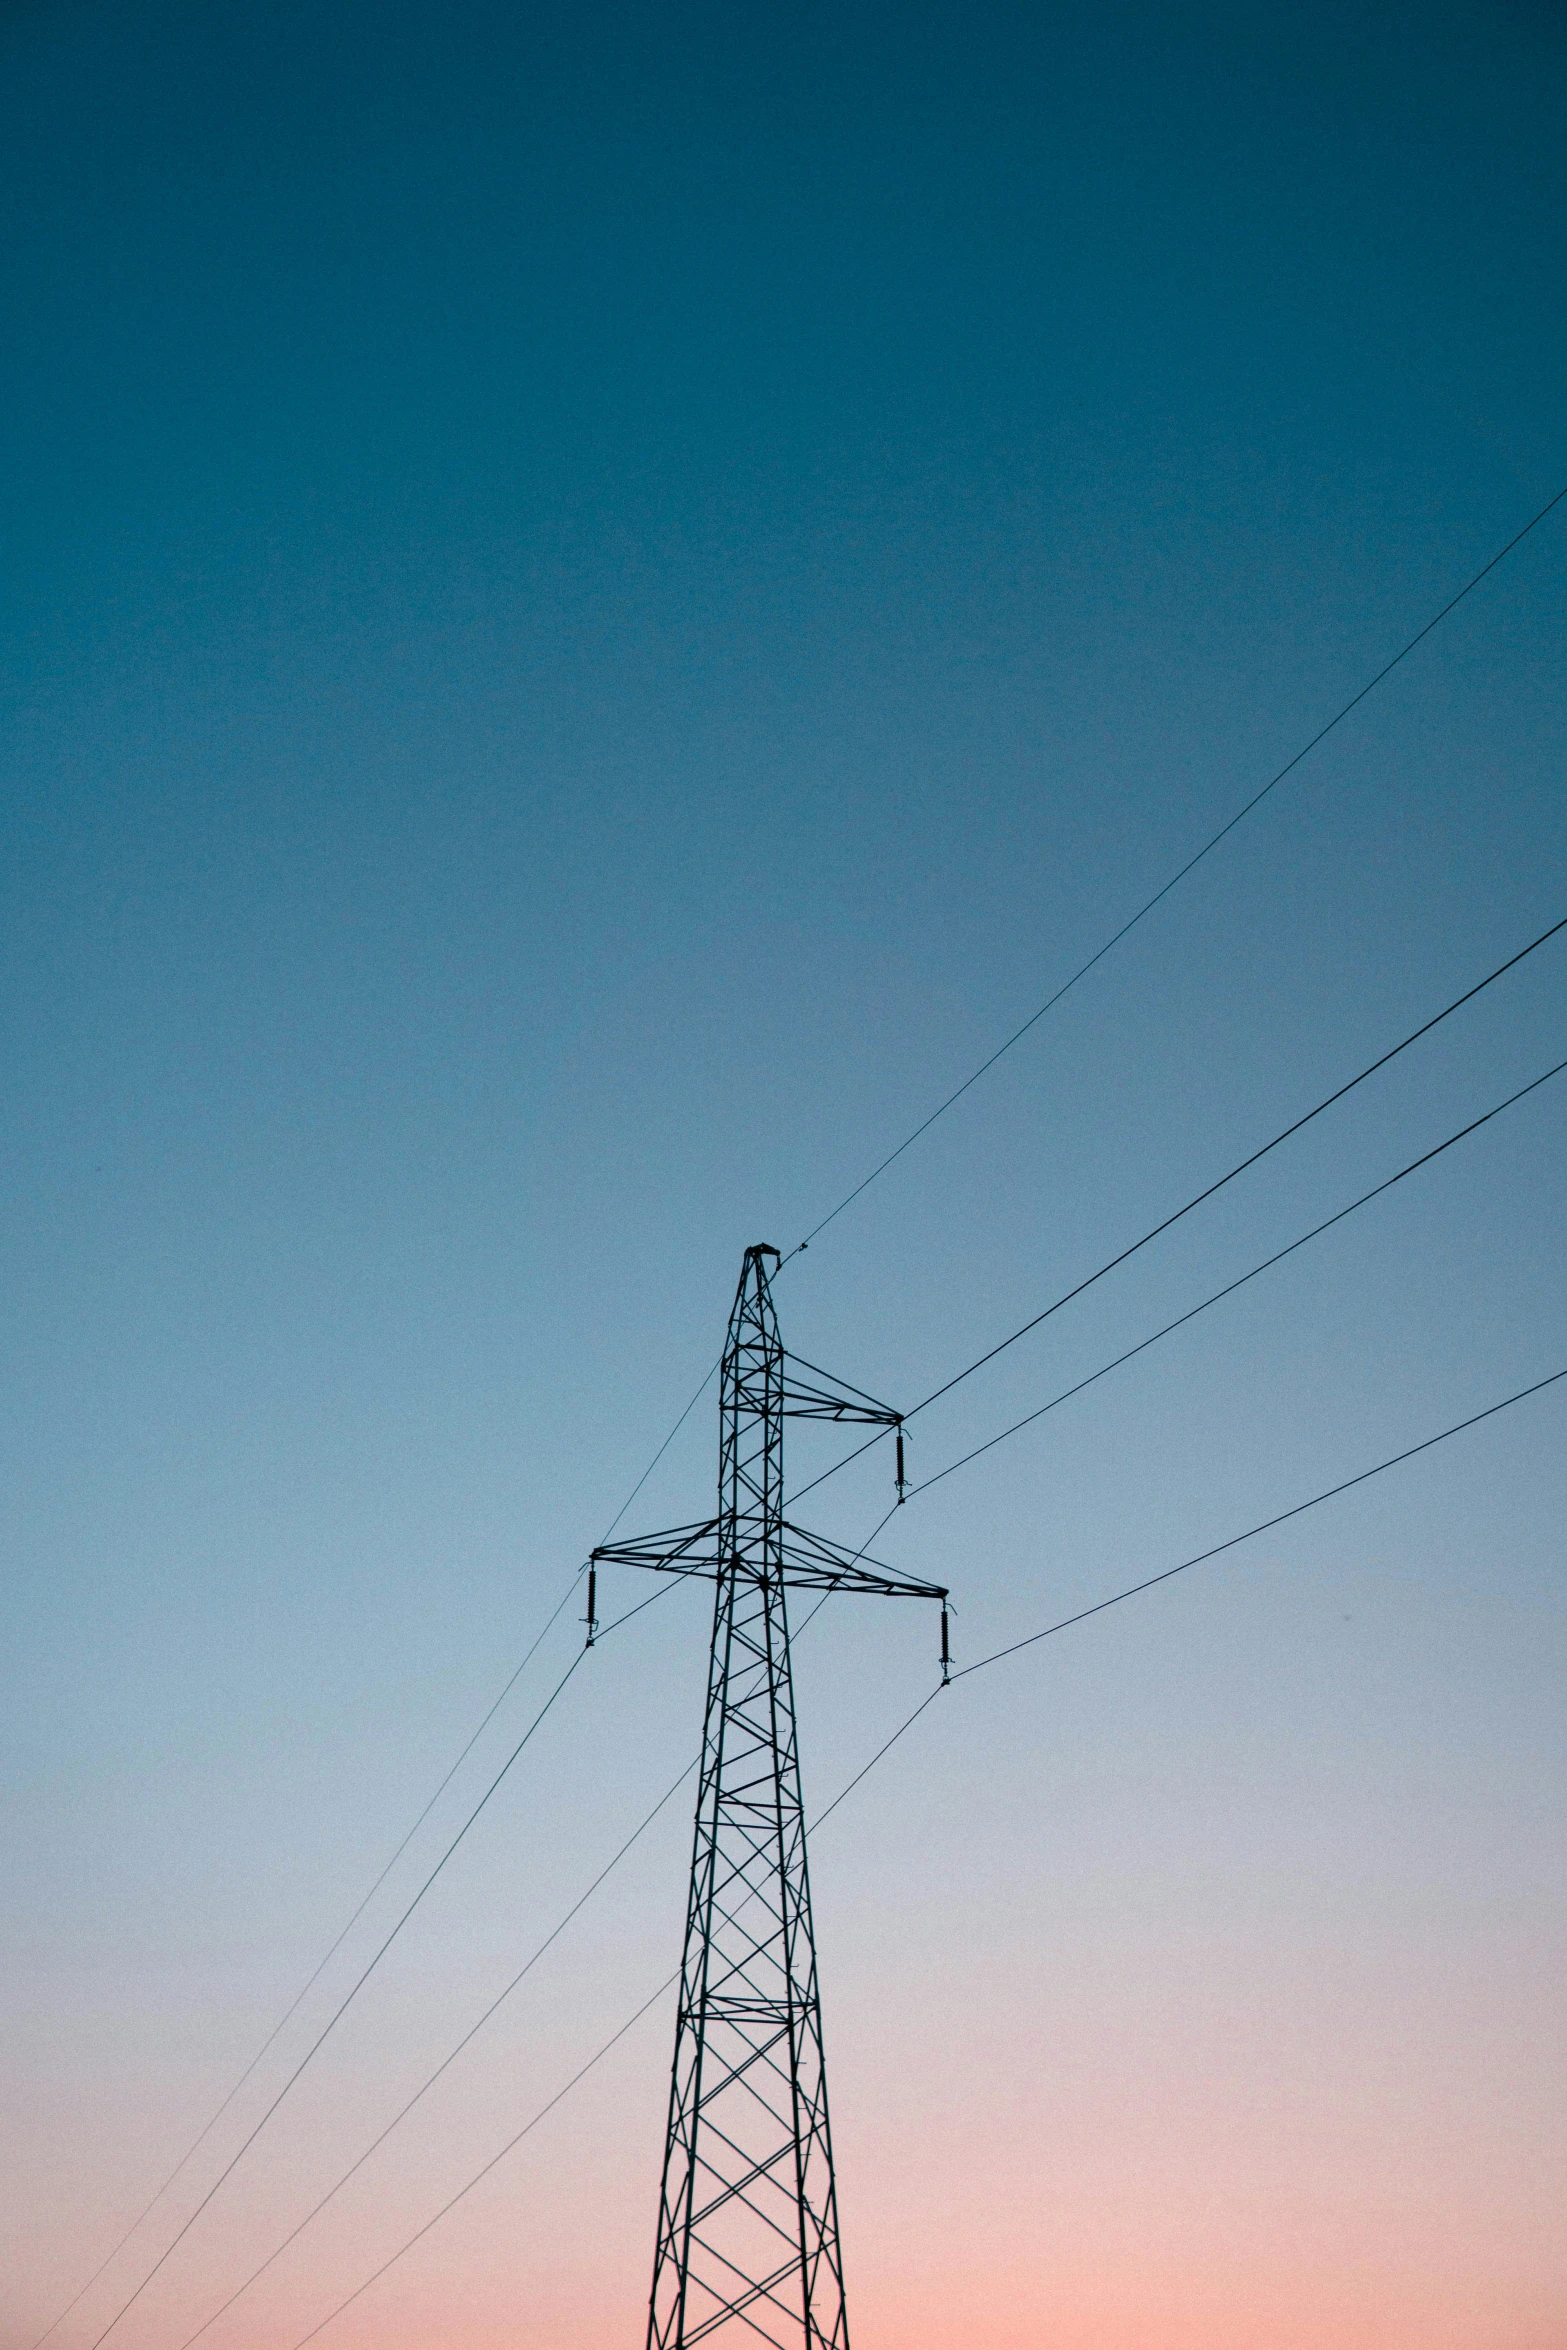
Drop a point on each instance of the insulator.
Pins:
(593, 1598)
(900, 1460)
(946, 1657)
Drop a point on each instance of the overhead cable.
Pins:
(446, 2062)
(302, 1993)
(1230, 1287)
(1207, 1193)
(1191, 864)
(1228, 1290)
(707, 1379)
(494, 2162)
(1251, 1160)
(1104, 1370)
(335, 2018)
(1200, 1557)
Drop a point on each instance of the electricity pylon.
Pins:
(748, 2215)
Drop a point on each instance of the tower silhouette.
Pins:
(748, 2242)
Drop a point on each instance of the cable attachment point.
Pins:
(591, 1619)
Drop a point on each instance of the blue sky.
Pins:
(597, 606)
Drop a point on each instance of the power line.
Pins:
(1267, 1525)
(495, 2160)
(1176, 878)
(1200, 1558)
(1239, 1169)
(1110, 1265)
(1104, 1370)
(1230, 1287)
(304, 1990)
(660, 1591)
(1151, 1582)
(1251, 1160)
(707, 1380)
(342, 2008)
(446, 2062)
(1065, 1623)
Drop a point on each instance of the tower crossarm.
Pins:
(835, 1399)
(679, 1550)
(809, 1561)
(812, 1563)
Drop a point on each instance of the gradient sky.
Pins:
(598, 602)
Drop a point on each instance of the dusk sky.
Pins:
(599, 603)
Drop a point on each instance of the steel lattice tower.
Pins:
(748, 2240)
